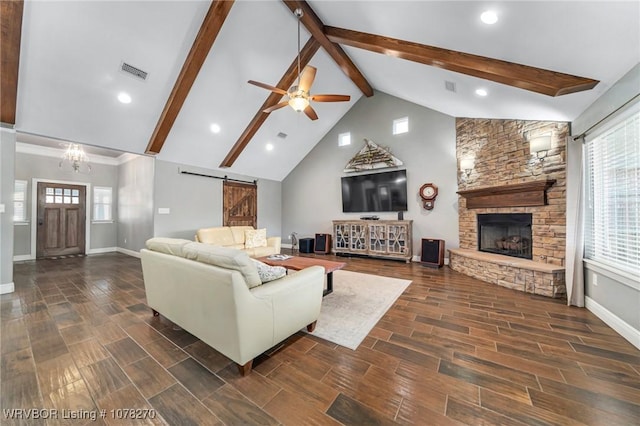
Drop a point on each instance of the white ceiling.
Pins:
(72, 52)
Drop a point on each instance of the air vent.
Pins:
(450, 86)
(136, 72)
(282, 135)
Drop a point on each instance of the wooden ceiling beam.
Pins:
(314, 25)
(11, 31)
(289, 77)
(537, 80)
(209, 30)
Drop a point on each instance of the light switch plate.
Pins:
(1, 208)
(164, 210)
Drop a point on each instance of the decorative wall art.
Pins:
(371, 157)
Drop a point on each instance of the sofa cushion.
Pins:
(225, 258)
(269, 273)
(172, 246)
(238, 233)
(255, 238)
(261, 251)
(220, 236)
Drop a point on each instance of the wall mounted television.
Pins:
(375, 192)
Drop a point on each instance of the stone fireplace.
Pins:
(507, 181)
(508, 234)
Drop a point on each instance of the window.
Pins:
(54, 195)
(20, 201)
(102, 202)
(344, 139)
(401, 125)
(612, 178)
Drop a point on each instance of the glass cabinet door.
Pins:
(377, 238)
(397, 239)
(341, 236)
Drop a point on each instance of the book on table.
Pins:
(279, 257)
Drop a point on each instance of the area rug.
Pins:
(357, 303)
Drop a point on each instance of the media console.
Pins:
(390, 239)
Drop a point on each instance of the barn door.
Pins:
(61, 219)
(240, 204)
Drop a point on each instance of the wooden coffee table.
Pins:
(297, 263)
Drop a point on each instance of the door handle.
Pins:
(40, 222)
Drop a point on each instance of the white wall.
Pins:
(196, 201)
(311, 193)
(7, 158)
(135, 203)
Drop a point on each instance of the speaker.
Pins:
(432, 252)
(306, 245)
(323, 244)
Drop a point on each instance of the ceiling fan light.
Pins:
(298, 103)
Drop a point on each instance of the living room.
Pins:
(152, 197)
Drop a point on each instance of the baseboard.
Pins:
(22, 257)
(102, 250)
(128, 252)
(613, 321)
(7, 288)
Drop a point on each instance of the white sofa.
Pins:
(234, 237)
(216, 294)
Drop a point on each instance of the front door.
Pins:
(240, 204)
(61, 219)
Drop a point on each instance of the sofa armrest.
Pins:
(275, 243)
(300, 281)
(295, 299)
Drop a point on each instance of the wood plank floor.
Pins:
(77, 335)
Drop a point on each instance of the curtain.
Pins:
(574, 269)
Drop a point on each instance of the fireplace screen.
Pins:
(505, 233)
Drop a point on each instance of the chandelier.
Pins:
(76, 157)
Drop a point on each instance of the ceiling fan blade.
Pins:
(276, 106)
(307, 77)
(330, 98)
(268, 87)
(311, 113)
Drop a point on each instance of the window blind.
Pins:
(102, 201)
(612, 225)
(19, 201)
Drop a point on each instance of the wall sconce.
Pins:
(466, 165)
(540, 146)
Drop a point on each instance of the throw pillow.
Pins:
(255, 238)
(269, 273)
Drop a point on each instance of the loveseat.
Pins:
(216, 294)
(253, 241)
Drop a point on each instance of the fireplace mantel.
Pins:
(524, 194)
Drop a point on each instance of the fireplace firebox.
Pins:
(506, 233)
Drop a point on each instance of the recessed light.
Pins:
(269, 147)
(215, 128)
(124, 98)
(489, 17)
(481, 92)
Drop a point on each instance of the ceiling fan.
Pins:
(299, 96)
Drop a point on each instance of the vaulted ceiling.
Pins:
(71, 55)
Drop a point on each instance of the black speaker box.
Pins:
(432, 252)
(306, 245)
(323, 244)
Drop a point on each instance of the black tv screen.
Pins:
(376, 192)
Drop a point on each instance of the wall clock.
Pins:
(428, 192)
